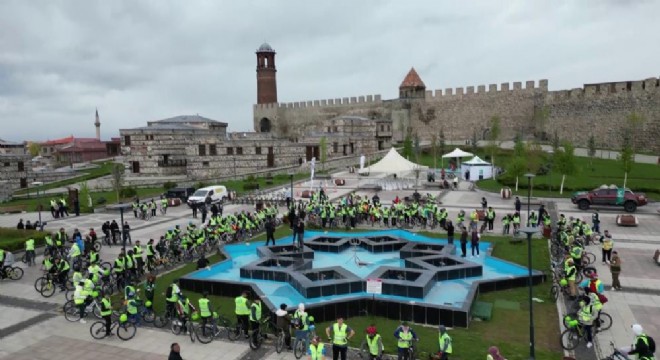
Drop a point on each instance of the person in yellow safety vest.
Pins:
(137, 258)
(342, 333)
(255, 317)
(374, 343)
(96, 272)
(300, 324)
(54, 211)
(570, 272)
(89, 287)
(205, 312)
(106, 313)
(185, 309)
(74, 252)
(586, 317)
(490, 218)
(29, 251)
(405, 336)
(242, 311)
(316, 349)
(80, 299)
(132, 309)
(607, 245)
(644, 346)
(444, 343)
(460, 219)
(172, 297)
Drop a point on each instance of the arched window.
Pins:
(264, 125)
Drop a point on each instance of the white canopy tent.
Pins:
(478, 168)
(458, 154)
(394, 163)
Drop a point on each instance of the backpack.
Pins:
(651, 344)
(602, 298)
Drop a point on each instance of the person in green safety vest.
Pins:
(316, 349)
(374, 343)
(63, 268)
(255, 317)
(137, 258)
(29, 251)
(444, 343)
(405, 337)
(586, 316)
(570, 271)
(490, 218)
(172, 297)
(132, 305)
(106, 313)
(185, 310)
(74, 252)
(163, 204)
(80, 299)
(341, 334)
(205, 312)
(644, 346)
(3, 256)
(242, 311)
(128, 290)
(150, 255)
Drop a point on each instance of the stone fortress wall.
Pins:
(598, 109)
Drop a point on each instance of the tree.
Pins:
(564, 162)
(407, 146)
(117, 177)
(591, 150)
(534, 156)
(323, 145)
(518, 147)
(417, 148)
(85, 195)
(474, 141)
(494, 140)
(627, 157)
(517, 168)
(555, 141)
(434, 150)
(34, 149)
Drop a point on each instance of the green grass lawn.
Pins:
(14, 239)
(591, 173)
(508, 329)
(103, 169)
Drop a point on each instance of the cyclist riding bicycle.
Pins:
(374, 343)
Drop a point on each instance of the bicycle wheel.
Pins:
(554, 292)
(279, 342)
(126, 331)
(47, 290)
(569, 339)
(299, 349)
(176, 326)
(71, 311)
(205, 333)
(96, 310)
(97, 246)
(97, 330)
(15, 273)
(605, 321)
(148, 316)
(191, 330)
(364, 351)
(591, 257)
(234, 333)
(160, 321)
(39, 283)
(256, 339)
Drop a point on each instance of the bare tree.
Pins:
(117, 178)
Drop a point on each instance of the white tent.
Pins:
(478, 168)
(394, 163)
(457, 153)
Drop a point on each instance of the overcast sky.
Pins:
(147, 60)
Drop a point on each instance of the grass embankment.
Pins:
(508, 329)
(14, 239)
(591, 173)
(103, 169)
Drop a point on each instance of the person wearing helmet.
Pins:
(586, 316)
(644, 346)
(571, 271)
(284, 324)
(186, 309)
(205, 311)
(374, 343)
(132, 309)
(106, 313)
(316, 349)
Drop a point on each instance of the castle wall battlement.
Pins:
(607, 89)
(505, 88)
(364, 99)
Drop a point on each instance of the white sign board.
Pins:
(374, 286)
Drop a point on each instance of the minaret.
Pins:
(97, 123)
(266, 82)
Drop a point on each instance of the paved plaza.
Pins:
(31, 327)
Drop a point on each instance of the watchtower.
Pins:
(266, 82)
(412, 86)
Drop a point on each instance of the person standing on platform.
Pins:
(270, 231)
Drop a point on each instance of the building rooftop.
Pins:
(187, 119)
(69, 140)
(9, 143)
(412, 80)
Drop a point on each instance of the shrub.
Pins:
(251, 186)
(128, 192)
(200, 185)
(169, 185)
(101, 201)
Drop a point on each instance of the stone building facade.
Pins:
(15, 173)
(528, 109)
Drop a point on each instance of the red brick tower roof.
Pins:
(412, 80)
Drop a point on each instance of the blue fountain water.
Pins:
(451, 293)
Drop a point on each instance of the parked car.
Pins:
(180, 193)
(607, 196)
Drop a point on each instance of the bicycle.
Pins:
(72, 312)
(177, 327)
(13, 273)
(48, 284)
(604, 321)
(219, 327)
(259, 334)
(280, 340)
(616, 354)
(570, 338)
(124, 329)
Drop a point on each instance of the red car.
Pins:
(608, 197)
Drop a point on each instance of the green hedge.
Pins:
(14, 239)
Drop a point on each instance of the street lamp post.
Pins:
(530, 230)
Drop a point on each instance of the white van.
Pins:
(217, 193)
